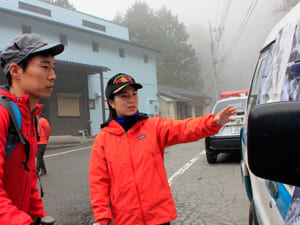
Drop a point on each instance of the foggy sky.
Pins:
(189, 11)
(239, 46)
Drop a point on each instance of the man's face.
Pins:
(38, 78)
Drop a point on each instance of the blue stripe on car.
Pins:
(283, 199)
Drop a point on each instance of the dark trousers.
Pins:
(166, 223)
(40, 164)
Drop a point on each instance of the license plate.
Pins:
(235, 130)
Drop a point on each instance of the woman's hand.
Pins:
(224, 116)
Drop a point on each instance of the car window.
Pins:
(276, 76)
(239, 103)
(260, 75)
(291, 84)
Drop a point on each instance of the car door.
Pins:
(271, 199)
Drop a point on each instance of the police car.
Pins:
(270, 139)
(228, 138)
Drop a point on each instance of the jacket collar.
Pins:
(21, 101)
(115, 128)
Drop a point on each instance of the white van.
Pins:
(270, 139)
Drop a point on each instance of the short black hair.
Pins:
(24, 64)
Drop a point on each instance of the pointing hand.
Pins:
(224, 116)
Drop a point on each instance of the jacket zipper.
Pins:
(135, 181)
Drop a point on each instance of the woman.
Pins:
(128, 181)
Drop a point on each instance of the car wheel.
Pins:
(252, 215)
(211, 158)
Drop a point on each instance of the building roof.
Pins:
(82, 68)
(49, 20)
(179, 94)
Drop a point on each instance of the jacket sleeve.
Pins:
(99, 183)
(36, 205)
(9, 214)
(172, 132)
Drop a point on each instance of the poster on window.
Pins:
(291, 84)
(272, 91)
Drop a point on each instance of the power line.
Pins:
(217, 10)
(241, 28)
(221, 25)
(225, 14)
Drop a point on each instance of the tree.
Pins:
(287, 5)
(177, 64)
(62, 3)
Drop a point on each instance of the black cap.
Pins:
(23, 46)
(119, 82)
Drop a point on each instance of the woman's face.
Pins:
(125, 102)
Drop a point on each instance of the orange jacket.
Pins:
(127, 169)
(20, 201)
(44, 131)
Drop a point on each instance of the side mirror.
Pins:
(274, 142)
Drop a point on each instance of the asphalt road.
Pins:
(203, 193)
(208, 194)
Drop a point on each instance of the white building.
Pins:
(95, 50)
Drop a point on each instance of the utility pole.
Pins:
(214, 61)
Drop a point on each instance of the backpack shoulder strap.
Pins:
(37, 123)
(14, 131)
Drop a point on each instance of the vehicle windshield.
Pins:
(240, 105)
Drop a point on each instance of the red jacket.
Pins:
(44, 131)
(127, 169)
(20, 202)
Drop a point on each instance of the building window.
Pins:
(95, 46)
(122, 52)
(26, 29)
(68, 105)
(146, 58)
(92, 104)
(35, 9)
(63, 39)
(92, 25)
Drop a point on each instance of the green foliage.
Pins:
(62, 3)
(177, 63)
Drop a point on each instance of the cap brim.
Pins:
(136, 85)
(54, 49)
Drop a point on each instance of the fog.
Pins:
(238, 31)
(188, 11)
(239, 43)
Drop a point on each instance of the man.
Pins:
(28, 63)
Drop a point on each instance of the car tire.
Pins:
(252, 214)
(211, 158)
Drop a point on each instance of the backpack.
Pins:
(14, 132)
(14, 129)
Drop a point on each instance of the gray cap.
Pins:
(23, 46)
